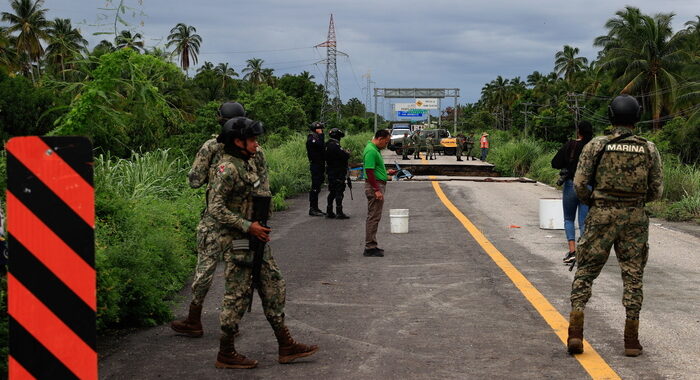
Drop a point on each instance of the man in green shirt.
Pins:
(375, 188)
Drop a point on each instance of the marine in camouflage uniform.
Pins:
(460, 140)
(405, 145)
(416, 138)
(628, 175)
(237, 178)
(429, 148)
(208, 250)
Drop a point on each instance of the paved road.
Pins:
(436, 306)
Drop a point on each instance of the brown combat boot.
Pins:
(192, 325)
(632, 346)
(289, 349)
(574, 343)
(229, 358)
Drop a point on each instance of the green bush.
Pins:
(146, 218)
(514, 158)
(680, 181)
(541, 169)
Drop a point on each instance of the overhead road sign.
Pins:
(412, 114)
(427, 103)
(417, 93)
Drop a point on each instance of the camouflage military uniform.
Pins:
(233, 184)
(405, 144)
(629, 174)
(416, 139)
(209, 249)
(429, 148)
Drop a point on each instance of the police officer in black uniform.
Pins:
(337, 171)
(315, 151)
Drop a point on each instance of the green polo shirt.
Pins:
(372, 159)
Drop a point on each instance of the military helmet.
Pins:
(316, 125)
(624, 110)
(336, 133)
(230, 110)
(240, 128)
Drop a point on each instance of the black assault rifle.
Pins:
(261, 210)
(349, 182)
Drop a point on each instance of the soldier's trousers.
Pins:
(237, 294)
(458, 152)
(317, 176)
(416, 151)
(208, 254)
(625, 228)
(430, 152)
(336, 191)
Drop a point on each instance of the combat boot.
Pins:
(192, 325)
(329, 212)
(340, 214)
(316, 212)
(229, 358)
(574, 343)
(632, 346)
(289, 349)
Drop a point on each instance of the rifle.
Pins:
(349, 182)
(261, 210)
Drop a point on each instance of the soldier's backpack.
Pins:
(620, 168)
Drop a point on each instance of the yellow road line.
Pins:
(591, 361)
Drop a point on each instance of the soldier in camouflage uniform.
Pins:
(460, 140)
(208, 250)
(616, 175)
(236, 179)
(429, 148)
(405, 144)
(416, 138)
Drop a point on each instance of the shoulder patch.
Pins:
(222, 168)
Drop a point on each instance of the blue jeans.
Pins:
(571, 203)
(484, 152)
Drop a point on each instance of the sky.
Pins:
(422, 44)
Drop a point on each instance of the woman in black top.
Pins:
(566, 159)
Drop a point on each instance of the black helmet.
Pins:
(241, 128)
(336, 133)
(624, 110)
(316, 125)
(230, 110)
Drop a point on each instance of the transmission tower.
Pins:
(332, 102)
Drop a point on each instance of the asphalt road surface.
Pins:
(437, 306)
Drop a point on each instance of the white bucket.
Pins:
(551, 214)
(399, 220)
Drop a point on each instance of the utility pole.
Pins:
(526, 115)
(370, 82)
(332, 87)
(573, 97)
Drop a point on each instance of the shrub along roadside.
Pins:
(532, 159)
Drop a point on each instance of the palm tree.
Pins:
(225, 73)
(125, 40)
(649, 60)
(254, 71)
(186, 42)
(8, 55)
(269, 77)
(568, 64)
(306, 75)
(29, 19)
(207, 66)
(65, 43)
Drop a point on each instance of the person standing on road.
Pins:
(616, 176)
(375, 189)
(460, 140)
(337, 171)
(566, 160)
(234, 182)
(470, 146)
(429, 148)
(208, 250)
(314, 150)
(416, 144)
(405, 144)
(484, 145)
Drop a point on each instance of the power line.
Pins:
(257, 51)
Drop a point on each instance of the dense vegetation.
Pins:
(147, 117)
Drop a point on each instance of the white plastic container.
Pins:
(551, 214)
(399, 220)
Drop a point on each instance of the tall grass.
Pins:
(159, 173)
(515, 158)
